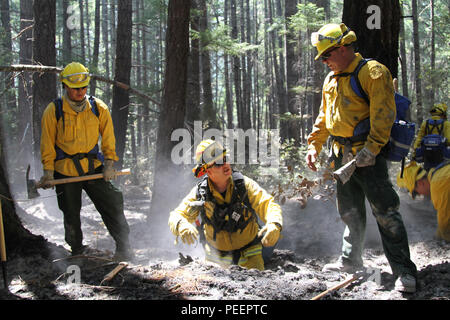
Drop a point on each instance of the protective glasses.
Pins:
(316, 37)
(218, 165)
(326, 55)
(77, 78)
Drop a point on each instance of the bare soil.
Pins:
(165, 271)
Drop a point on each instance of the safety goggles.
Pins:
(316, 37)
(218, 165)
(76, 78)
(326, 55)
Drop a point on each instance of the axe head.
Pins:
(31, 186)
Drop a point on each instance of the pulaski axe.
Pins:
(344, 173)
(32, 185)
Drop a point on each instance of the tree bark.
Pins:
(193, 110)
(121, 97)
(377, 43)
(208, 111)
(25, 86)
(44, 53)
(94, 65)
(167, 176)
(292, 75)
(417, 77)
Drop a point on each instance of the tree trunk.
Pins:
(44, 52)
(167, 184)
(228, 91)
(25, 87)
(94, 65)
(417, 77)
(403, 61)
(236, 66)
(105, 38)
(292, 75)
(380, 43)
(67, 34)
(432, 58)
(208, 112)
(193, 110)
(121, 97)
(82, 38)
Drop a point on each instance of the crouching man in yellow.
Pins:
(228, 204)
(435, 184)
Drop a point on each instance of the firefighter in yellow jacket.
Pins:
(436, 125)
(228, 205)
(71, 127)
(435, 184)
(341, 113)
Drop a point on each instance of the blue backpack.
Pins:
(402, 132)
(433, 148)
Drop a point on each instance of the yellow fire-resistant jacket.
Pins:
(421, 132)
(440, 197)
(342, 109)
(261, 201)
(80, 134)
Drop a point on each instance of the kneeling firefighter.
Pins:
(228, 205)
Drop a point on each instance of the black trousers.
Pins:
(107, 199)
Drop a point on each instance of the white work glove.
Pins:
(271, 233)
(187, 231)
(108, 170)
(48, 175)
(365, 158)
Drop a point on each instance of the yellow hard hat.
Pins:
(75, 75)
(411, 173)
(439, 109)
(207, 153)
(331, 35)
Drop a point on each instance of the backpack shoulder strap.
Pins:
(58, 108)
(356, 84)
(94, 105)
(241, 189)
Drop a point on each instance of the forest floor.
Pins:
(165, 271)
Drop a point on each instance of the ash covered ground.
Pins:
(311, 238)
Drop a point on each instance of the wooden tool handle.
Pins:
(84, 178)
(2, 238)
(336, 287)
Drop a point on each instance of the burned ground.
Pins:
(163, 270)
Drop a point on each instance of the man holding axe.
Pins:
(71, 128)
(364, 170)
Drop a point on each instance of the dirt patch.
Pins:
(311, 238)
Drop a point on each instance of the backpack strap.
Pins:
(239, 197)
(434, 124)
(92, 154)
(439, 166)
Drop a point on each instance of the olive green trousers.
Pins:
(108, 201)
(373, 183)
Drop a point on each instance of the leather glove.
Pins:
(44, 182)
(365, 158)
(188, 232)
(271, 233)
(108, 170)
